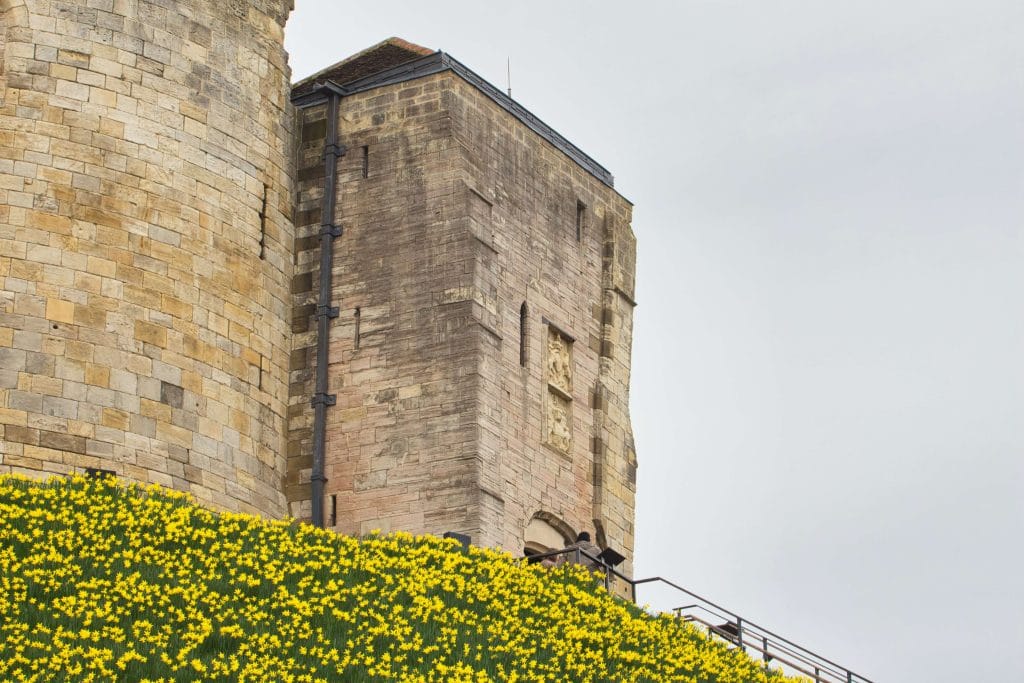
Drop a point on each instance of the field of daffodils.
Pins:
(102, 581)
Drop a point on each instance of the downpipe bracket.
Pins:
(334, 149)
(329, 311)
(328, 230)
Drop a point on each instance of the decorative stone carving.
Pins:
(559, 361)
(559, 425)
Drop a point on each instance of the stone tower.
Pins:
(478, 303)
(146, 243)
(436, 337)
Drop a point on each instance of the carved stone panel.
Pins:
(559, 361)
(559, 422)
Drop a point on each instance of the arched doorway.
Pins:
(546, 532)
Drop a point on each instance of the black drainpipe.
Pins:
(324, 311)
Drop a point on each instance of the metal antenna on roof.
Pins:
(508, 67)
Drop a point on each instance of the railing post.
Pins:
(764, 649)
(739, 633)
(817, 678)
(849, 676)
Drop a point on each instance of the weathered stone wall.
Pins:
(401, 440)
(465, 215)
(556, 440)
(145, 243)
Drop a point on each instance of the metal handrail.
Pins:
(744, 623)
(834, 676)
(579, 555)
(821, 665)
(755, 631)
(774, 655)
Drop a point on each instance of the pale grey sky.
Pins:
(828, 384)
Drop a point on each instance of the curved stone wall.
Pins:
(145, 243)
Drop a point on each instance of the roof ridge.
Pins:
(395, 42)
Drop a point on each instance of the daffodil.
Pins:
(100, 581)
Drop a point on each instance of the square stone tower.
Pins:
(476, 282)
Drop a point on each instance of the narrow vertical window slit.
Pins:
(581, 213)
(263, 224)
(523, 336)
(366, 161)
(358, 317)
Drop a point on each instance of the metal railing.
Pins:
(740, 632)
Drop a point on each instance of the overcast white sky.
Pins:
(828, 384)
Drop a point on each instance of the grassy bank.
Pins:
(101, 582)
